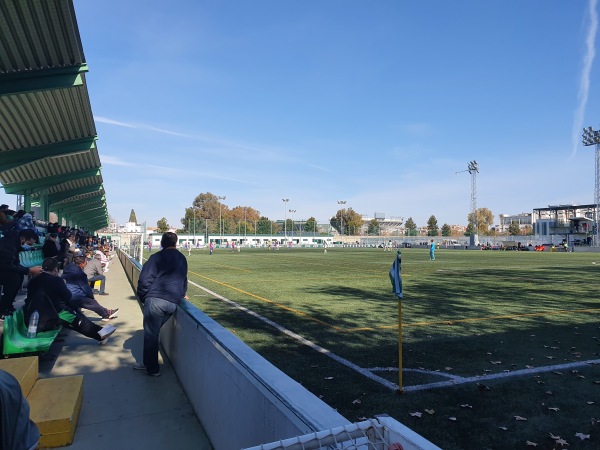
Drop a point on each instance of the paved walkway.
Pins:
(124, 408)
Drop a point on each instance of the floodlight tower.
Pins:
(285, 201)
(592, 137)
(342, 202)
(473, 169)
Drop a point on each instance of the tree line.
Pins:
(208, 215)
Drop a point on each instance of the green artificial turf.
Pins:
(467, 313)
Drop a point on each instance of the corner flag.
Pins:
(396, 276)
(396, 279)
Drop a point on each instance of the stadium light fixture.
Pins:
(592, 137)
(220, 221)
(342, 202)
(285, 201)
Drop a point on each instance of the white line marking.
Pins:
(496, 376)
(304, 341)
(455, 379)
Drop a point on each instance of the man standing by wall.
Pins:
(161, 286)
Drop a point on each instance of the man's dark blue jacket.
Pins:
(77, 282)
(164, 276)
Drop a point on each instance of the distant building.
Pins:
(575, 223)
(130, 227)
(525, 220)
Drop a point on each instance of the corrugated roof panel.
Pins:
(48, 167)
(90, 195)
(75, 184)
(45, 117)
(38, 35)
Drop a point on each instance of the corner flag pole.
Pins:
(396, 279)
(399, 345)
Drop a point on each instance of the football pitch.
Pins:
(499, 348)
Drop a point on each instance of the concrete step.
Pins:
(24, 369)
(55, 406)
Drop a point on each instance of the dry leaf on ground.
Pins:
(582, 436)
(520, 418)
(416, 414)
(531, 444)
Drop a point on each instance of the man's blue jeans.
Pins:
(156, 312)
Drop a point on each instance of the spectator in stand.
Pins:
(68, 249)
(93, 271)
(51, 247)
(82, 295)
(11, 271)
(48, 294)
(104, 259)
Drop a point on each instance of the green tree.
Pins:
(374, 227)
(411, 227)
(310, 226)
(485, 219)
(162, 226)
(288, 227)
(432, 226)
(132, 217)
(266, 226)
(470, 229)
(514, 229)
(446, 230)
(207, 211)
(349, 219)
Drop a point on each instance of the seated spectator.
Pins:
(68, 249)
(26, 222)
(93, 270)
(17, 430)
(48, 294)
(12, 272)
(82, 295)
(104, 258)
(51, 247)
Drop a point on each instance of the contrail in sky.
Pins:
(584, 83)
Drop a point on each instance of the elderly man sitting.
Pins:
(93, 270)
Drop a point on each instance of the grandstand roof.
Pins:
(47, 133)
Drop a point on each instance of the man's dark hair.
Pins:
(169, 239)
(28, 233)
(79, 260)
(49, 264)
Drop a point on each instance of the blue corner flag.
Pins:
(396, 276)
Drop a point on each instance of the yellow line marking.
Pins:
(279, 305)
(385, 327)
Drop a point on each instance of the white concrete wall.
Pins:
(240, 398)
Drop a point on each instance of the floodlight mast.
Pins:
(473, 169)
(592, 137)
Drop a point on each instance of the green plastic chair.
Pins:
(15, 337)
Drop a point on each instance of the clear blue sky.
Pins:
(375, 103)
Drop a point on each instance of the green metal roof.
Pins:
(47, 132)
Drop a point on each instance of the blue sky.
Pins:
(376, 103)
